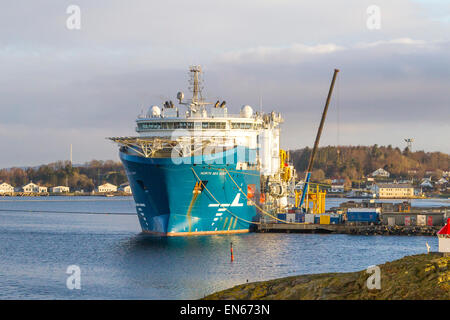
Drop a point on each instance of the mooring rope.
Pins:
(218, 202)
(259, 208)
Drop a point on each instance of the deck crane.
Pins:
(316, 142)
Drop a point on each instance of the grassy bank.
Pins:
(418, 277)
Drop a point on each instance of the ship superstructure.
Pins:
(195, 168)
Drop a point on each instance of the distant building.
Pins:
(380, 172)
(393, 191)
(107, 187)
(60, 189)
(125, 188)
(426, 184)
(32, 187)
(6, 188)
(337, 188)
(337, 180)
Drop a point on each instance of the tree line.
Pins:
(351, 163)
(355, 162)
(61, 173)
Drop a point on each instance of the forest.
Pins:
(78, 177)
(351, 163)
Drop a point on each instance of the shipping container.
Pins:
(363, 215)
(335, 218)
(317, 218)
(407, 220)
(309, 218)
(324, 219)
(300, 217)
(391, 221)
(421, 220)
(290, 217)
(281, 216)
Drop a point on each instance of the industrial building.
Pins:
(412, 218)
(393, 191)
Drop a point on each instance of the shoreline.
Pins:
(416, 277)
(71, 194)
(368, 230)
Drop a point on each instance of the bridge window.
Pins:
(149, 125)
(213, 125)
(242, 125)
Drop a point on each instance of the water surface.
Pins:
(39, 239)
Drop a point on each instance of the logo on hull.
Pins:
(222, 207)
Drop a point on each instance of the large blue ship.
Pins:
(201, 170)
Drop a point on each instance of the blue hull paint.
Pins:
(166, 201)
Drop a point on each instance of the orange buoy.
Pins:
(231, 251)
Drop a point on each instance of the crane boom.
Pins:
(316, 142)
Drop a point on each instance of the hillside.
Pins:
(354, 162)
(418, 277)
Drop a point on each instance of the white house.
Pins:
(426, 183)
(60, 189)
(32, 187)
(380, 172)
(125, 188)
(107, 187)
(444, 238)
(6, 188)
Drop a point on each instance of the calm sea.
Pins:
(41, 237)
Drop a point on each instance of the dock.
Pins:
(347, 229)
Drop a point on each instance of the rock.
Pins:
(418, 277)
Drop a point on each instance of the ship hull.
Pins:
(194, 197)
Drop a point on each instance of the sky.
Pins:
(62, 86)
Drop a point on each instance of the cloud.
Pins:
(299, 52)
(59, 86)
(294, 53)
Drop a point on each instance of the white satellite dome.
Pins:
(154, 112)
(246, 111)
